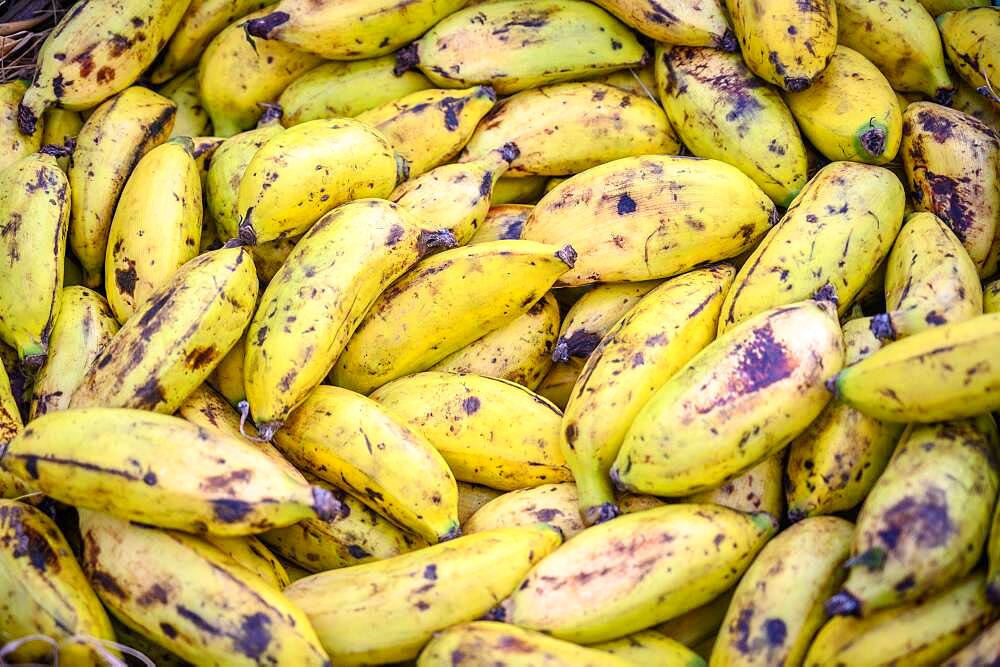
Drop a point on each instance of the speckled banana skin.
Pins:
(10, 425)
(16, 144)
(192, 120)
(594, 314)
(982, 650)
(676, 22)
(972, 41)
(252, 554)
(554, 504)
(693, 628)
(649, 648)
(759, 489)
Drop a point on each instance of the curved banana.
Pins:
(61, 127)
(589, 590)
(675, 22)
(968, 100)
(722, 111)
(981, 651)
(388, 610)
(594, 314)
(972, 41)
(471, 497)
(639, 81)
(700, 625)
(750, 393)
(503, 222)
(227, 378)
(251, 553)
(630, 503)
(638, 355)
(651, 217)
(10, 425)
(558, 383)
(938, 7)
(831, 239)
(554, 504)
(519, 190)
(16, 144)
(192, 120)
(96, 50)
(991, 297)
(651, 649)
(759, 489)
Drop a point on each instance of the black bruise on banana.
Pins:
(26, 542)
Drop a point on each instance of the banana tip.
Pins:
(993, 593)
(796, 515)
(509, 152)
(452, 533)
(32, 362)
(944, 96)
(272, 113)
(873, 140)
(568, 255)
(497, 613)
(796, 84)
(26, 119)
(267, 430)
(407, 58)
(881, 327)
(327, 507)
(560, 353)
(843, 604)
(728, 41)
(601, 513)
(262, 27)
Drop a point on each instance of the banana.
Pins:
(570, 127)
(630, 503)
(270, 257)
(16, 144)
(487, 643)
(520, 351)
(193, 599)
(926, 520)
(952, 163)
(503, 222)
(211, 482)
(675, 22)
(10, 425)
(467, 419)
(156, 228)
(45, 592)
(471, 497)
(594, 314)
(237, 73)
(554, 504)
(651, 217)
(922, 633)
(749, 393)
(651, 649)
(972, 41)
(787, 43)
(227, 378)
(957, 366)
(833, 464)
(351, 441)
(991, 297)
(638, 81)
(308, 170)
(638, 355)
(96, 50)
(173, 341)
(34, 217)
(938, 7)
(699, 625)
(558, 383)
(518, 190)
(982, 651)
(348, 258)
(759, 489)
(778, 604)
(251, 553)
(813, 249)
(346, 89)
(160, 656)
(204, 150)
(523, 44)
(850, 111)
(408, 329)
(429, 127)
(588, 591)
(722, 111)
(968, 100)
(388, 610)
(192, 120)
(61, 127)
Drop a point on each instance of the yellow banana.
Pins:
(503, 222)
(554, 504)
(211, 482)
(589, 590)
(10, 425)
(251, 553)
(972, 41)
(638, 355)
(594, 314)
(308, 170)
(570, 127)
(778, 604)
(96, 50)
(831, 240)
(785, 42)
(351, 441)
(487, 643)
(409, 330)
(193, 599)
(938, 7)
(651, 217)
(749, 393)
(676, 22)
(204, 150)
(34, 217)
(630, 503)
(429, 127)
(640, 81)
(558, 383)
(952, 163)
(388, 610)
(968, 100)
(524, 44)
(956, 363)
(227, 378)
(651, 649)
(850, 111)
(982, 651)
(467, 419)
(192, 120)
(699, 625)
(722, 111)
(16, 143)
(471, 497)
(991, 297)
(519, 190)
(44, 590)
(759, 489)
(61, 127)
(160, 656)
(926, 520)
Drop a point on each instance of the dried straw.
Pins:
(24, 25)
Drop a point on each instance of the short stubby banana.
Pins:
(677, 22)
(831, 240)
(16, 144)
(252, 554)
(554, 504)
(388, 610)
(471, 497)
(503, 222)
(638, 355)
(308, 170)
(759, 489)
(651, 217)
(594, 314)
(192, 120)
(972, 41)
(638, 570)
(570, 127)
(749, 393)
(467, 419)
(521, 44)
(409, 328)
(722, 111)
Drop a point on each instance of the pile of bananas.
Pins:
(530, 332)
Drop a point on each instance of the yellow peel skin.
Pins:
(991, 297)
(676, 22)
(759, 489)
(554, 504)
(252, 554)
(192, 120)
(16, 144)
(471, 497)
(972, 41)
(594, 314)
(10, 425)
(651, 649)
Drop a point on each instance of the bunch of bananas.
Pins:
(503, 332)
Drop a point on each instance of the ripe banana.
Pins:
(429, 127)
(968, 100)
(519, 190)
(10, 425)
(16, 143)
(251, 553)
(938, 7)
(832, 238)
(651, 649)
(503, 222)
(699, 625)
(471, 497)
(388, 610)
(558, 383)
(972, 41)
(991, 297)
(759, 489)
(409, 330)
(651, 217)
(34, 217)
(351, 441)
(227, 378)
(722, 111)
(192, 120)
(193, 599)
(676, 22)
(61, 128)
(982, 651)
(630, 503)
(95, 51)
(570, 127)
(588, 591)
(524, 44)
(926, 520)
(749, 393)
(638, 355)
(638, 81)
(346, 89)
(594, 314)
(554, 504)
